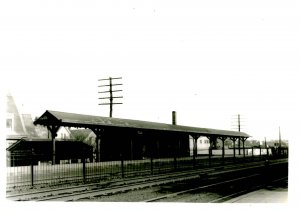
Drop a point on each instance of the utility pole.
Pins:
(265, 142)
(111, 91)
(239, 123)
(238, 127)
(279, 147)
(279, 138)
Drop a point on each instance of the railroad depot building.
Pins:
(126, 139)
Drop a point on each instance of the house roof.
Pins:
(22, 124)
(89, 121)
(18, 124)
(77, 132)
(28, 124)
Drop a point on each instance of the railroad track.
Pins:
(229, 196)
(88, 187)
(199, 188)
(215, 185)
(92, 190)
(229, 183)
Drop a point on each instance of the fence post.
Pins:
(209, 156)
(244, 155)
(194, 152)
(194, 161)
(175, 163)
(151, 146)
(122, 166)
(234, 160)
(223, 150)
(31, 167)
(223, 154)
(83, 169)
(260, 152)
(151, 164)
(176, 153)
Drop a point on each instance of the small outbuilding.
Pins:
(39, 151)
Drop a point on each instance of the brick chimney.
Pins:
(173, 117)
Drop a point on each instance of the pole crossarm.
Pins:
(118, 90)
(110, 91)
(109, 103)
(106, 79)
(110, 85)
(109, 97)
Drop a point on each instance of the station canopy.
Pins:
(57, 119)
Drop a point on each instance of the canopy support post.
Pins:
(223, 148)
(98, 133)
(53, 130)
(195, 137)
(233, 140)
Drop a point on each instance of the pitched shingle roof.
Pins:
(89, 121)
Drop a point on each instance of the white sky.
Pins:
(208, 60)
